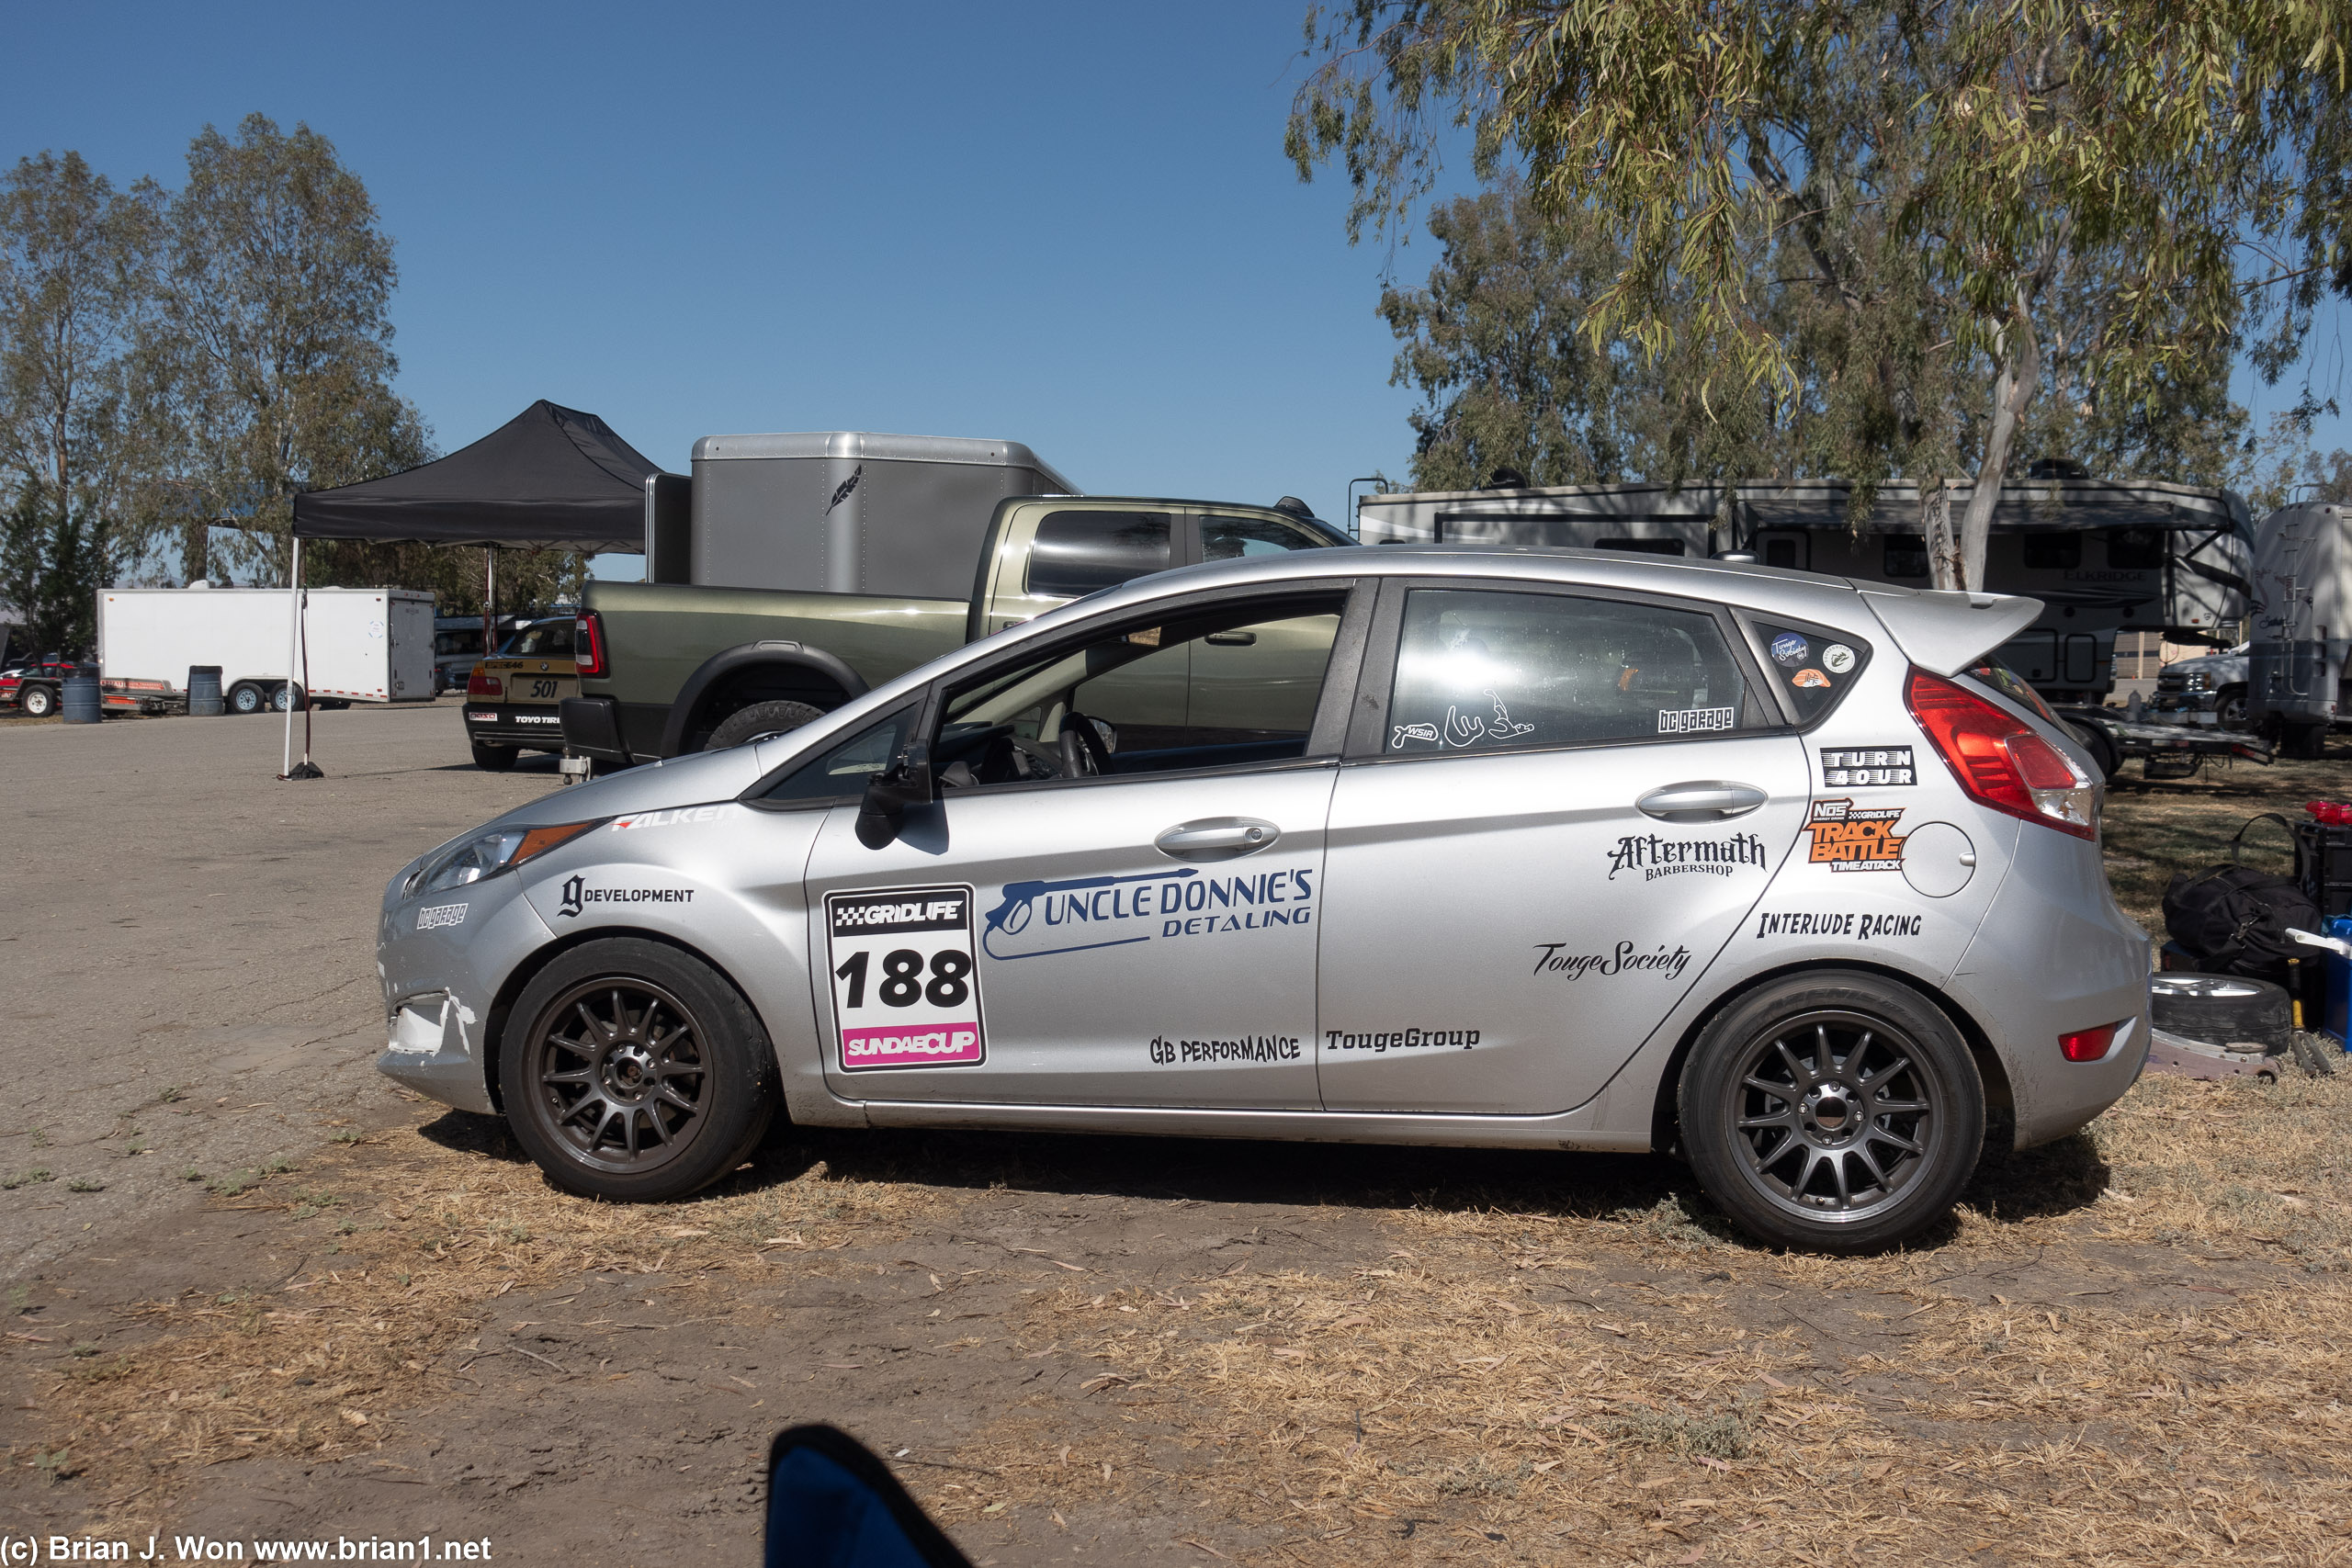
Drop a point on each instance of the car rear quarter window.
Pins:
(1078, 553)
(1814, 665)
(1479, 670)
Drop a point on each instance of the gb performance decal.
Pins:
(1038, 919)
(1846, 837)
(904, 993)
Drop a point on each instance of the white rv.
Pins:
(357, 645)
(2302, 625)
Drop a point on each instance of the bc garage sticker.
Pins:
(1694, 721)
(438, 915)
(1846, 837)
(906, 993)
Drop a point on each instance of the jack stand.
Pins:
(573, 769)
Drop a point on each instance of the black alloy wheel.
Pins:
(637, 1073)
(1833, 1111)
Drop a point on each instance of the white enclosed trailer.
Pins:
(2301, 684)
(357, 645)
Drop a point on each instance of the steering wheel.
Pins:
(1082, 748)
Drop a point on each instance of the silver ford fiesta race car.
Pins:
(1446, 845)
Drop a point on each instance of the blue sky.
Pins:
(1066, 224)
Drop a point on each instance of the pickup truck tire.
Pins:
(495, 759)
(2230, 709)
(758, 722)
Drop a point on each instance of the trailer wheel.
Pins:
(288, 695)
(39, 702)
(246, 696)
(495, 759)
(2304, 740)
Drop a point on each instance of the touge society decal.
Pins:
(1655, 857)
(906, 991)
(1551, 960)
(1846, 837)
(1036, 919)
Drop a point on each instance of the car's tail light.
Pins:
(2089, 1044)
(1999, 760)
(588, 643)
(481, 685)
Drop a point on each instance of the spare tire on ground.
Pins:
(2222, 1008)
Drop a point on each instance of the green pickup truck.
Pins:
(669, 668)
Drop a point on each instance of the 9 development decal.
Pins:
(905, 992)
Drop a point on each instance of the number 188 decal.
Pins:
(906, 993)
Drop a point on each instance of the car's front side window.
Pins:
(1477, 670)
(843, 768)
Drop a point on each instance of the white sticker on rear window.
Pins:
(1689, 721)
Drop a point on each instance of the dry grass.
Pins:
(2154, 830)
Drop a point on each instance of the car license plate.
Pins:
(906, 989)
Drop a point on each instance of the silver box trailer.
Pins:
(826, 511)
(2102, 555)
(2298, 688)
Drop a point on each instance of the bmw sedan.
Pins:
(1539, 849)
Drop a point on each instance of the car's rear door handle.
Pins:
(1703, 800)
(1216, 838)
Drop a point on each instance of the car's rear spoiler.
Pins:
(1946, 631)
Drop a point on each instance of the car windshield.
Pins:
(541, 640)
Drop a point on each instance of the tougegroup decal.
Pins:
(1846, 837)
(1552, 958)
(1862, 928)
(1169, 1053)
(577, 896)
(1038, 919)
(1380, 1042)
(1655, 857)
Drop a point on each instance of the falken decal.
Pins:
(1846, 837)
(674, 816)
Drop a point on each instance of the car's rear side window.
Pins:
(1076, 553)
(1814, 665)
(1477, 670)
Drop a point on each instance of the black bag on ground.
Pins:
(2234, 919)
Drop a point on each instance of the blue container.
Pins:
(2339, 980)
(81, 703)
(204, 691)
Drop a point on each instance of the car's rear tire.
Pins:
(1833, 1111)
(39, 702)
(634, 1072)
(758, 722)
(495, 759)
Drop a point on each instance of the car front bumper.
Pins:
(442, 958)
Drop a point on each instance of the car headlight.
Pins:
(488, 854)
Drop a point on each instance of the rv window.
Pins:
(2135, 549)
(2053, 552)
(1906, 556)
(1641, 546)
(1078, 553)
(1780, 552)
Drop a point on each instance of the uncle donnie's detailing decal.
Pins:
(1852, 767)
(1846, 837)
(1551, 960)
(1862, 928)
(1169, 1053)
(1655, 857)
(906, 990)
(1038, 919)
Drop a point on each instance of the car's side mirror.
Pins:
(906, 781)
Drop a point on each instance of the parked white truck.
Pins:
(359, 645)
(2299, 687)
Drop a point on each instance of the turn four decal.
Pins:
(906, 990)
(1216, 1052)
(1655, 857)
(1846, 837)
(1550, 960)
(1038, 919)
(1865, 928)
(577, 896)
(1850, 766)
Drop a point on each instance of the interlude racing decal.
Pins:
(1038, 919)
(906, 990)
(1849, 767)
(1551, 960)
(1655, 857)
(1846, 837)
(1862, 928)
(1169, 1053)
(577, 896)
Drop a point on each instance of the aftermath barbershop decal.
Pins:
(1864, 928)
(1381, 1042)
(1854, 766)
(1655, 857)
(577, 896)
(1551, 960)
(906, 991)
(1038, 919)
(1458, 730)
(1846, 837)
(1217, 1052)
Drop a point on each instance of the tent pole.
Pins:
(489, 602)
(293, 646)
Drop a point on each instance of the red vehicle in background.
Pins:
(38, 689)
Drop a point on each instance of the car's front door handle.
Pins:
(1216, 838)
(1708, 800)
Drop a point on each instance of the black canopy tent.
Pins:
(551, 478)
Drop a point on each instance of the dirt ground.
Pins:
(262, 1295)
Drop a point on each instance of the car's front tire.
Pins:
(633, 1071)
(1833, 1111)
